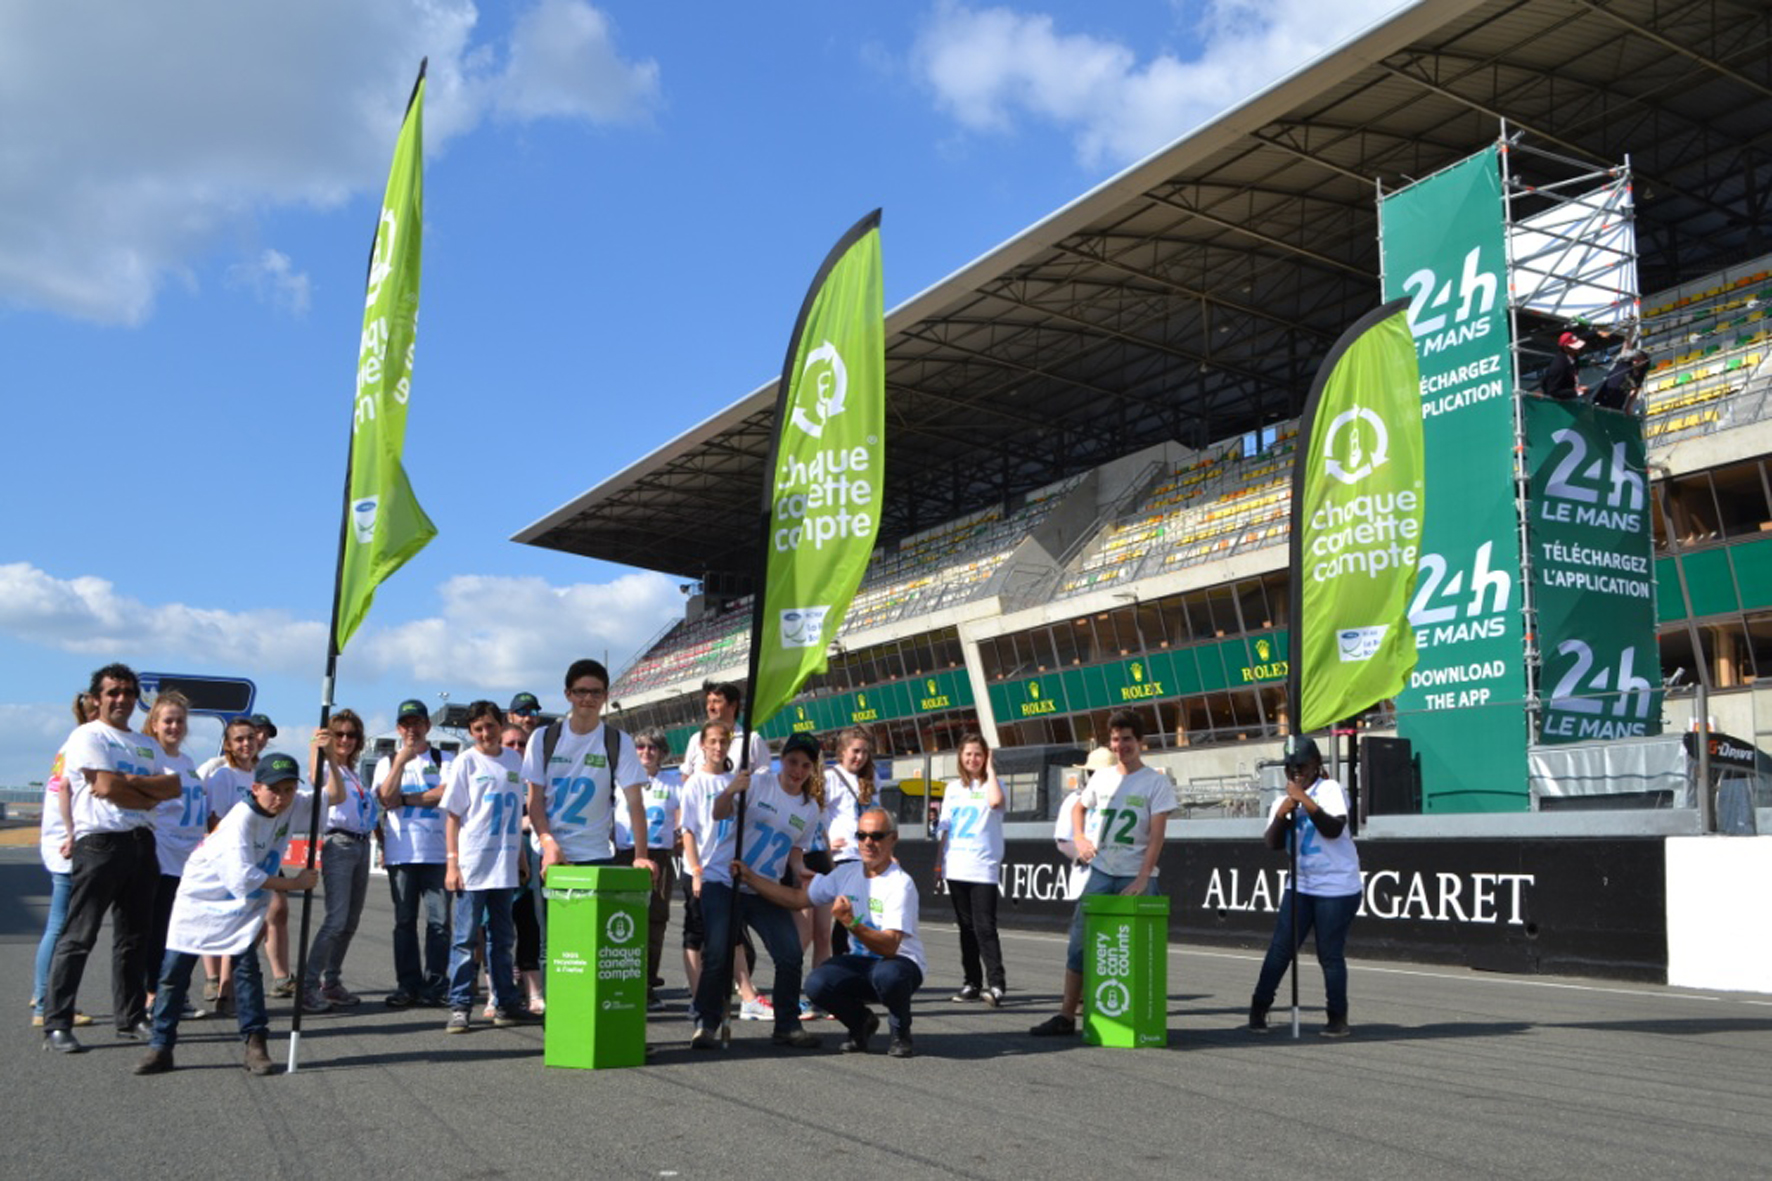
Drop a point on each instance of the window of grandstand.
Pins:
(1255, 442)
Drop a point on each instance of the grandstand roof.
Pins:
(1192, 296)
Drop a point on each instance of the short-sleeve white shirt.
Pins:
(1327, 867)
(99, 746)
(974, 832)
(413, 835)
(181, 822)
(888, 902)
(576, 787)
(221, 900)
(1121, 808)
(485, 792)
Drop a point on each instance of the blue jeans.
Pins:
(1098, 883)
(491, 909)
(844, 984)
(175, 986)
(344, 876)
(59, 885)
(775, 927)
(411, 886)
(1331, 918)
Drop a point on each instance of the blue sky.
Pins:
(624, 203)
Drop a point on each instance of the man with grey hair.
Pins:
(877, 901)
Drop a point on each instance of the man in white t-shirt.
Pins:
(1329, 889)
(1125, 810)
(573, 787)
(877, 902)
(723, 701)
(114, 865)
(410, 788)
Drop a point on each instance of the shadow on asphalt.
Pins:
(22, 882)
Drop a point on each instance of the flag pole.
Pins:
(327, 681)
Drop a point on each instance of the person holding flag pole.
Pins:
(821, 492)
(1357, 512)
(382, 526)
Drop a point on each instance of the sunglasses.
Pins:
(646, 746)
(873, 836)
(341, 734)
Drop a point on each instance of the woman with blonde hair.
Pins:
(344, 862)
(179, 823)
(848, 791)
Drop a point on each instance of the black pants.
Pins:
(528, 928)
(659, 915)
(117, 872)
(975, 910)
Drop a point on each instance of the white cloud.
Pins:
(134, 137)
(274, 280)
(990, 67)
(494, 633)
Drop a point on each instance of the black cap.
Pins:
(806, 744)
(524, 703)
(1300, 750)
(410, 708)
(274, 768)
(261, 722)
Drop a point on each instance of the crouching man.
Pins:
(877, 901)
(220, 910)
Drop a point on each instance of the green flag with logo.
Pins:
(384, 524)
(1357, 504)
(822, 494)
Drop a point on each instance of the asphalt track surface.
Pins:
(1449, 1073)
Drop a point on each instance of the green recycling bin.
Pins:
(1125, 970)
(596, 966)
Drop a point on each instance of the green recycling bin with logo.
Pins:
(596, 966)
(1125, 970)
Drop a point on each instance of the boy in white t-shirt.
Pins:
(1329, 887)
(1126, 810)
(483, 805)
(409, 786)
(222, 899)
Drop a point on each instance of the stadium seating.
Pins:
(1709, 346)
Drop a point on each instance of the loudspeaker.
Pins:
(1389, 777)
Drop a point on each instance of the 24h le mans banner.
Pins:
(386, 526)
(826, 472)
(1357, 502)
(1593, 573)
(1464, 710)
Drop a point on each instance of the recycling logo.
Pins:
(1361, 460)
(1112, 998)
(620, 927)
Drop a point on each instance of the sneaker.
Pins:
(654, 1002)
(338, 994)
(1057, 1025)
(458, 1022)
(807, 1012)
(757, 1010)
(80, 1019)
(704, 1039)
(993, 996)
(314, 1001)
(284, 986)
(490, 1011)
(400, 1000)
(798, 1038)
(900, 1047)
(211, 988)
(1258, 1019)
(435, 1000)
(141, 1031)
(537, 1006)
(155, 1062)
(62, 1042)
(1336, 1028)
(968, 992)
(858, 1039)
(224, 1005)
(189, 1012)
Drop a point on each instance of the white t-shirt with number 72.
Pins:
(1121, 807)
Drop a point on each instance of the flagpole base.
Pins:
(1295, 1023)
(294, 1051)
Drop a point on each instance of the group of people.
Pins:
(189, 864)
(1620, 389)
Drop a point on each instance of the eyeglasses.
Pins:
(647, 746)
(873, 836)
(587, 692)
(354, 735)
(525, 713)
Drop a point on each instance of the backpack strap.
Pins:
(550, 738)
(612, 751)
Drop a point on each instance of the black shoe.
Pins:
(798, 1038)
(1337, 1027)
(1258, 1018)
(141, 1031)
(993, 996)
(156, 1062)
(1057, 1025)
(704, 1039)
(400, 1000)
(62, 1042)
(900, 1047)
(968, 992)
(858, 1038)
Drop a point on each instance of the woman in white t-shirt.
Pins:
(351, 813)
(971, 831)
(1315, 810)
(228, 785)
(179, 823)
(55, 845)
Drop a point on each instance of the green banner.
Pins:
(1593, 574)
(827, 473)
(1358, 501)
(385, 525)
(1444, 247)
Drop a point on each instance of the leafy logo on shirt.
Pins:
(596, 761)
(877, 907)
(510, 777)
(796, 821)
(1135, 801)
(142, 752)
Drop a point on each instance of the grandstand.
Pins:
(1028, 588)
